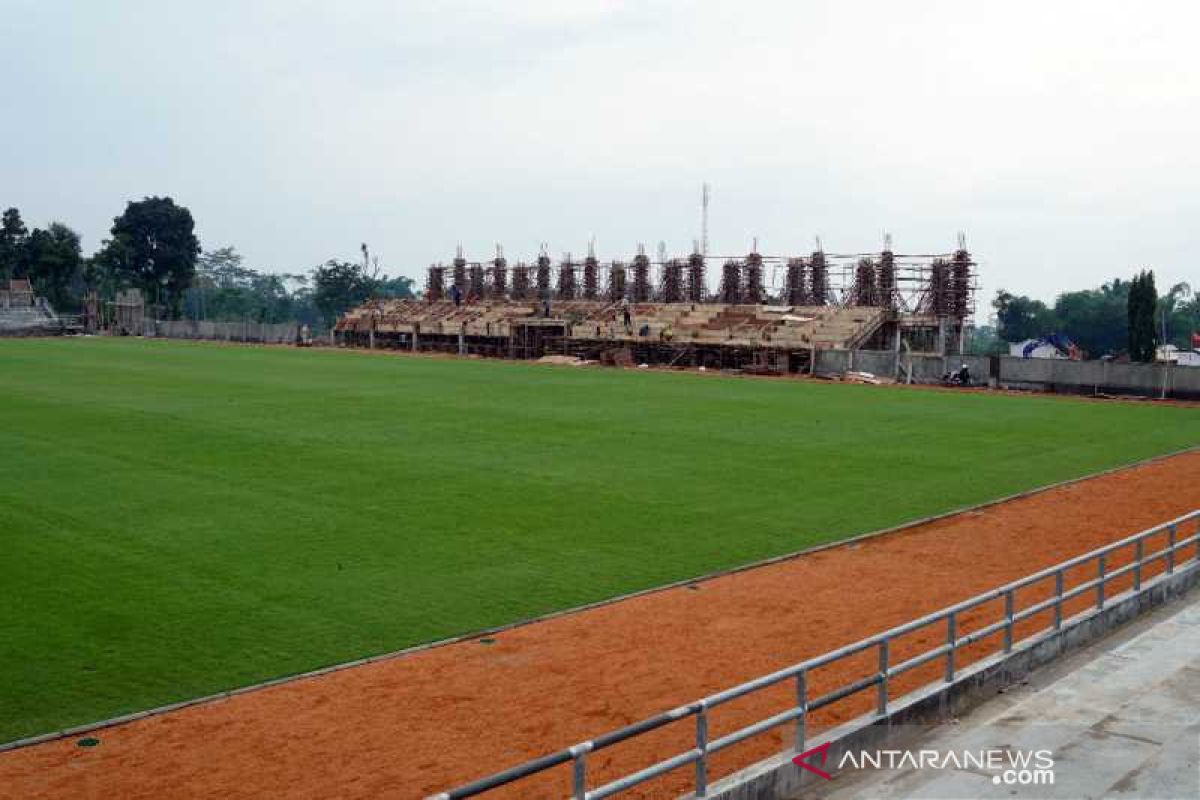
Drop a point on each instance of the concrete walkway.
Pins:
(1120, 719)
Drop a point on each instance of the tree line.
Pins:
(1120, 317)
(153, 247)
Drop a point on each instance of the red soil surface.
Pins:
(420, 723)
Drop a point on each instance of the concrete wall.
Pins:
(877, 362)
(278, 333)
(1038, 374)
(1091, 377)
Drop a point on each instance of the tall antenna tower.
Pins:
(704, 193)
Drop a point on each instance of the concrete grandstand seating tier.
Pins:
(33, 320)
(708, 324)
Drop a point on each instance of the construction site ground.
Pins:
(423, 722)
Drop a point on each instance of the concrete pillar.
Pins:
(896, 353)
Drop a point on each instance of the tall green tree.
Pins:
(1182, 309)
(1019, 318)
(225, 290)
(54, 265)
(154, 248)
(339, 286)
(398, 287)
(1095, 319)
(1143, 299)
(12, 245)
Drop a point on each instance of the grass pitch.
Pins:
(177, 518)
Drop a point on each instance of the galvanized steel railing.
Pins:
(880, 679)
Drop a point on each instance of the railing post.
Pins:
(702, 746)
(1101, 569)
(1008, 621)
(802, 704)
(1171, 548)
(579, 771)
(951, 637)
(1058, 592)
(1139, 553)
(881, 696)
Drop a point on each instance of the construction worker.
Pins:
(626, 315)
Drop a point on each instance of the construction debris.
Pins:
(861, 377)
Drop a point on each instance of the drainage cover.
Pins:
(88, 741)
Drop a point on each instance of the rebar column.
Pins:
(543, 277)
(435, 284)
(731, 283)
(641, 278)
(616, 282)
(671, 288)
(566, 280)
(460, 274)
(819, 279)
(887, 280)
(754, 292)
(696, 289)
(499, 277)
(793, 293)
(960, 285)
(591, 286)
(938, 291)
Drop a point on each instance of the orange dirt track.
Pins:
(419, 723)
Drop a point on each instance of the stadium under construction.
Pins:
(768, 314)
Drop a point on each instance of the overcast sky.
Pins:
(1062, 137)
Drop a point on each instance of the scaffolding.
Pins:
(926, 284)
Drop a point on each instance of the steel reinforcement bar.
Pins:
(880, 679)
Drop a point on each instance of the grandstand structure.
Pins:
(24, 313)
(768, 314)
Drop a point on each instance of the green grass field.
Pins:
(180, 518)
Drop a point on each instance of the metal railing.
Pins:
(880, 679)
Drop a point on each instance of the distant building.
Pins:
(1170, 354)
(19, 294)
